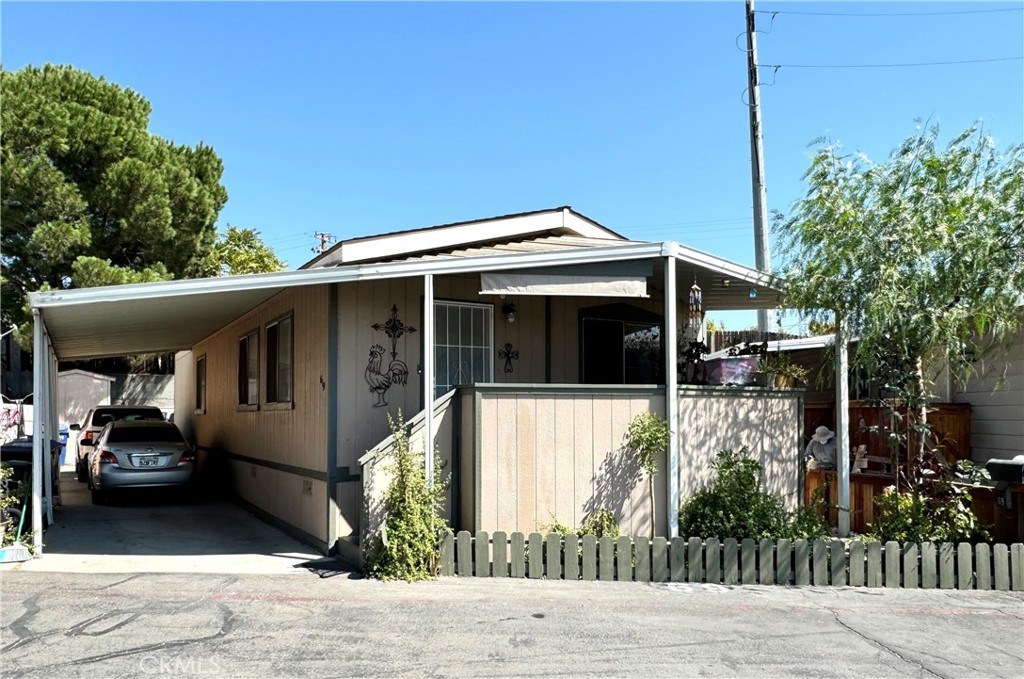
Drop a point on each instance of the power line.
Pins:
(919, 63)
(890, 14)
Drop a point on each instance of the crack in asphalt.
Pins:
(884, 647)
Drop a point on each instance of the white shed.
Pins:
(78, 391)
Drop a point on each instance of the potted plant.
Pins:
(781, 372)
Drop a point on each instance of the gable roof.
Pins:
(560, 221)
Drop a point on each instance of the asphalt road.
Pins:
(219, 625)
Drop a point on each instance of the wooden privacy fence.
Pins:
(768, 562)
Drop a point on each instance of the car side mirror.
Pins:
(75, 427)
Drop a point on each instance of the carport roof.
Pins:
(175, 315)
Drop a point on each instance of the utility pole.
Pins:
(762, 254)
(325, 240)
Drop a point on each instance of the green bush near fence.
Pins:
(735, 505)
(409, 544)
(938, 509)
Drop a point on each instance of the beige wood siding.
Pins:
(768, 423)
(184, 394)
(555, 457)
(296, 499)
(997, 415)
(296, 436)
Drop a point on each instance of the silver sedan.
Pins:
(139, 454)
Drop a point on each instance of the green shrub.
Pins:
(734, 505)
(937, 510)
(600, 523)
(409, 546)
(810, 522)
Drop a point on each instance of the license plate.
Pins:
(148, 461)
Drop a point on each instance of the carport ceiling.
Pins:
(144, 325)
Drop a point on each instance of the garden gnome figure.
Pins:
(821, 450)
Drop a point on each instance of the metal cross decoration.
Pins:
(394, 328)
(508, 354)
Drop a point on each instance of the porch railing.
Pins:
(376, 475)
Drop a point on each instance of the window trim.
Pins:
(248, 406)
(200, 409)
(290, 403)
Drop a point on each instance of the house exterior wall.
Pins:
(554, 454)
(768, 422)
(184, 394)
(362, 424)
(278, 457)
(997, 415)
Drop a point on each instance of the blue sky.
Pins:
(356, 118)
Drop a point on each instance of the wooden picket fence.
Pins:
(781, 562)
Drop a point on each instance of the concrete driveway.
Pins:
(156, 531)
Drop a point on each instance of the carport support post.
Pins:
(843, 426)
(428, 376)
(44, 415)
(671, 394)
(40, 392)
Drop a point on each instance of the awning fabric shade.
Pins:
(513, 283)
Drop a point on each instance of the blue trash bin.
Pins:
(63, 438)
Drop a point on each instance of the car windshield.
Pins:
(101, 417)
(145, 435)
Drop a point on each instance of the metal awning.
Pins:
(174, 315)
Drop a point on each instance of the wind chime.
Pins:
(696, 310)
(694, 350)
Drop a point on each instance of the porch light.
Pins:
(509, 310)
(752, 293)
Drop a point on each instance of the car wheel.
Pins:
(98, 497)
(83, 473)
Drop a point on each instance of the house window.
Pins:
(463, 344)
(620, 344)
(279, 361)
(201, 384)
(249, 369)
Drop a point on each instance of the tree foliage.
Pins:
(920, 253)
(920, 257)
(647, 439)
(242, 251)
(90, 196)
